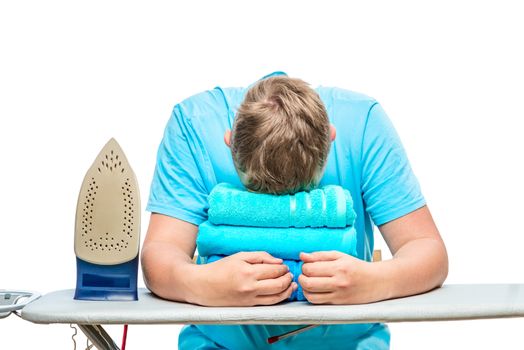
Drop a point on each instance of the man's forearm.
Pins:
(418, 266)
(241, 279)
(167, 270)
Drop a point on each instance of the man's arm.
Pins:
(242, 279)
(167, 254)
(420, 260)
(419, 264)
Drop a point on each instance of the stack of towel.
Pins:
(282, 225)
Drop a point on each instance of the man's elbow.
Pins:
(148, 269)
(443, 266)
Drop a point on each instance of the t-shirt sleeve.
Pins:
(389, 186)
(177, 189)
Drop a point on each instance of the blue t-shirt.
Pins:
(366, 157)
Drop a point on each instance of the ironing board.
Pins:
(13, 300)
(450, 302)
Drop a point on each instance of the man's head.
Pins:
(281, 136)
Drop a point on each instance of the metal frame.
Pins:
(98, 336)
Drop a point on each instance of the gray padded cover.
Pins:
(451, 302)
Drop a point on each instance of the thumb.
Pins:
(321, 256)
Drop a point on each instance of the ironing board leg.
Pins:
(98, 336)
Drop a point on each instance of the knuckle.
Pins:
(246, 271)
(246, 289)
(310, 297)
(283, 285)
(306, 269)
(306, 284)
(276, 300)
(301, 280)
(343, 283)
(272, 300)
(284, 294)
(340, 269)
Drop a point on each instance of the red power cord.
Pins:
(124, 338)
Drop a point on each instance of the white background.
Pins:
(73, 74)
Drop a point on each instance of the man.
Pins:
(366, 157)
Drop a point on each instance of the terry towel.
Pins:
(295, 267)
(328, 206)
(284, 243)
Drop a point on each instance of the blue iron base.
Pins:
(106, 282)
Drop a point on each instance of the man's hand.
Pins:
(419, 264)
(243, 279)
(332, 277)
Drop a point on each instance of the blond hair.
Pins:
(280, 138)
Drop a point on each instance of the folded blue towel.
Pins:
(295, 267)
(329, 206)
(285, 243)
